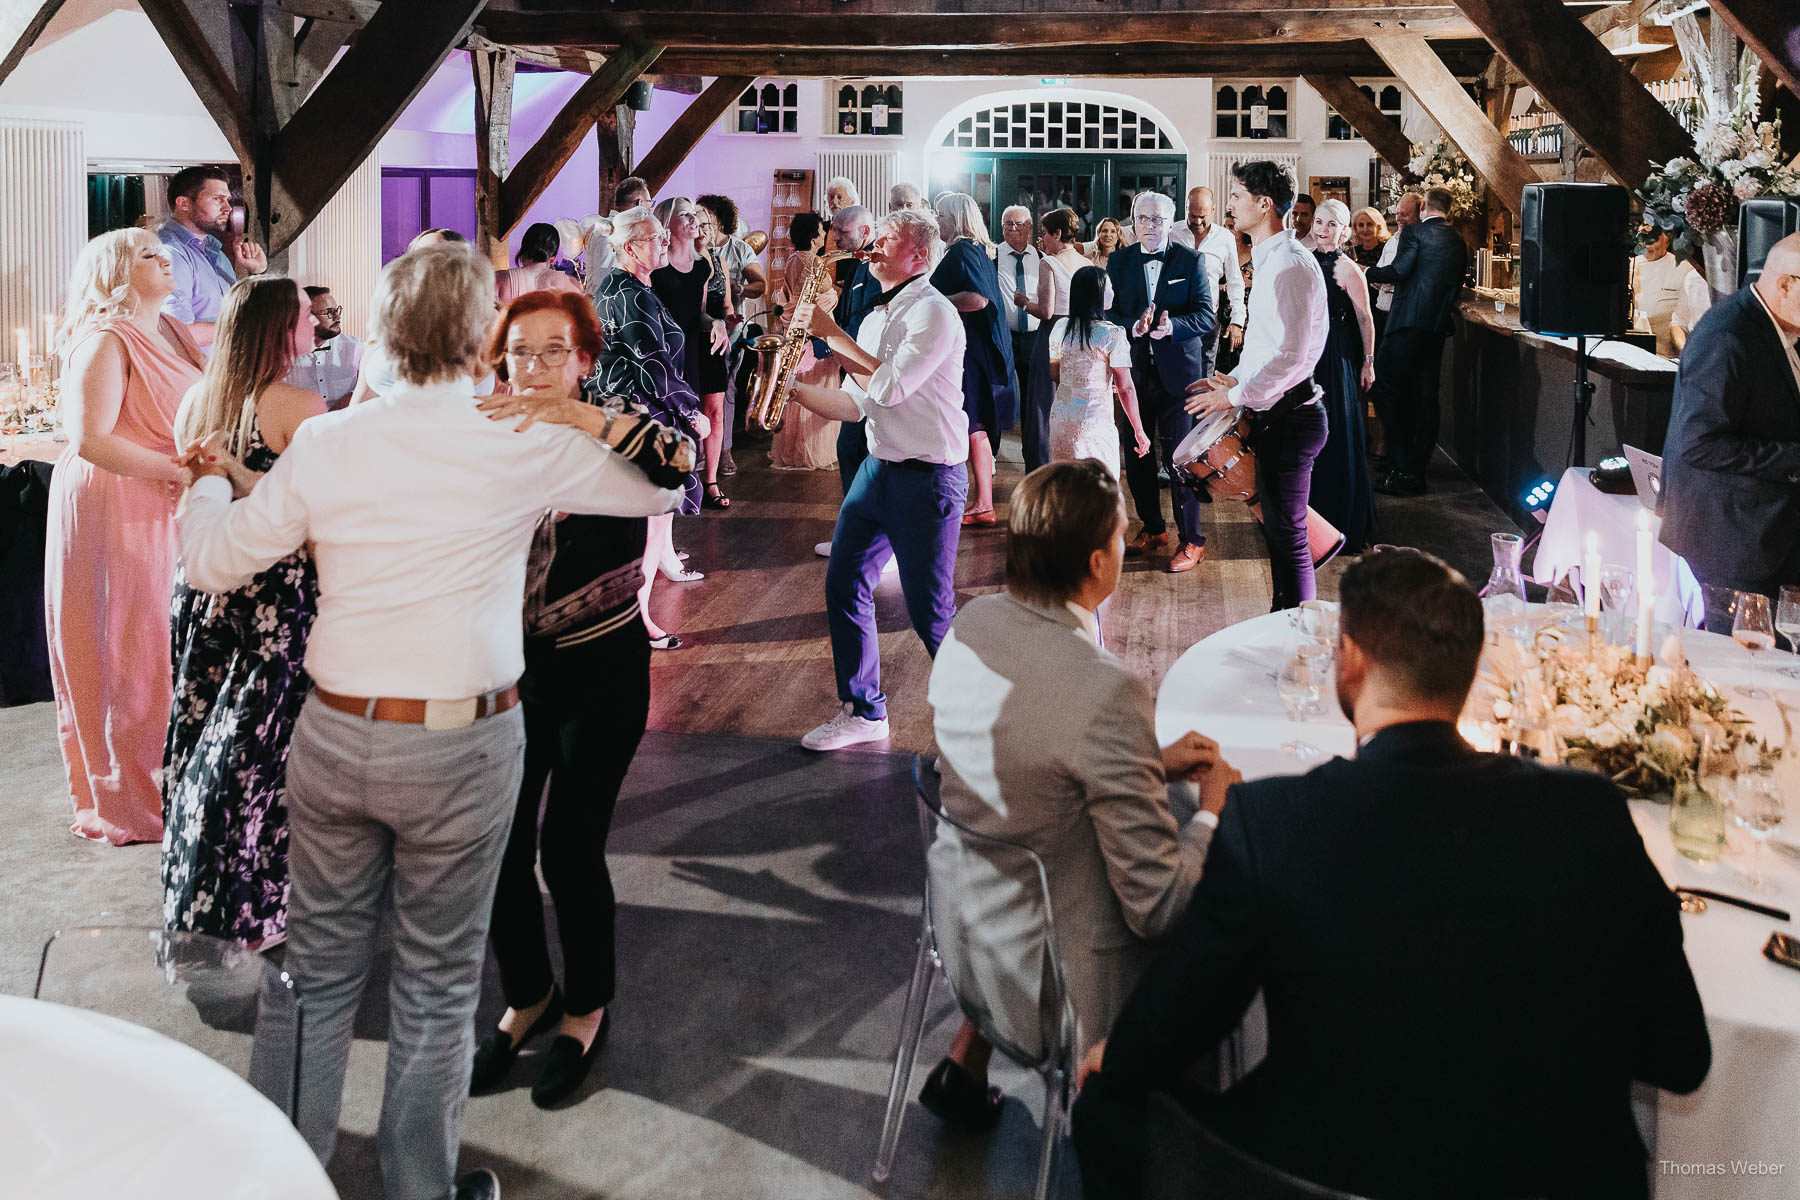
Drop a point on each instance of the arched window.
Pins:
(1257, 111)
(1388, 101)
(874, 109)
(768, 108)
(1058, 125)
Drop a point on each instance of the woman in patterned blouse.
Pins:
(644, 359)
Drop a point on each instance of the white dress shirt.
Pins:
(330, 370)
(1781, 335)
(1384, 292)
(420, 511)
(1221, 246)
(1696, 299)
(914, 401)
(1153, 272)
(1006, 264)
(1288, 322)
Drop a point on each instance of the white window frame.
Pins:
(782, 109)
(1242, 114)
(1397, 116)
(833, 116)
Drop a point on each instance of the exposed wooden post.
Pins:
(1769, 27)
(21, 21)
(1376, 127)
(614, 133)
(493, 70)
(1593, 91)
(673, 147)
(539, 165)
(1430, 81)
(201, 43)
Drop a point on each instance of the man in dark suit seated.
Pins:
(1427, 274)
(1163, 297)
(1731, 462)
(1466, 958)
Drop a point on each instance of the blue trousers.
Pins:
(916, 509)
(853, 447)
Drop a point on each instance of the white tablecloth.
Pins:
(1579, 506)
(1749, 1108)
(41, 447)
(92, 1106)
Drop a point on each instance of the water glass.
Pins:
(1301, 685)
(1787, 620)
(1615, 599)
(1758, 807)
(1753, 628)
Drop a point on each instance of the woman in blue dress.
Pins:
(967, 276)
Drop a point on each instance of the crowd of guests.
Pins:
(265, 532)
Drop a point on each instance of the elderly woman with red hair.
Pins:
(586, 696)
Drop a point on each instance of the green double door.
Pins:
(1094, 186)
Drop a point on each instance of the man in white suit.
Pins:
(1048, 740)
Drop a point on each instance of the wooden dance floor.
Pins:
(758, 661)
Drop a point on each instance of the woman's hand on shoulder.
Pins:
(536, 406)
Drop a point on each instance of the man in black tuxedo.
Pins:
(1164, 298)
(1466, 958)
(1427, 274)
(1731, 461)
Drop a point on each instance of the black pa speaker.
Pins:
(1573, 258)
(1761, 223)
(639, 94)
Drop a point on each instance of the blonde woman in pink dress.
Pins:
(109, 559)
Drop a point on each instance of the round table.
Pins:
(95, 1106)
(1748, 1111)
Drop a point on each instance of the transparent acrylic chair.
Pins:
(1188, 1161)
(204, 992)
(1053, 1057)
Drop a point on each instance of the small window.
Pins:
(1254, 112)
(768, 107)
(870, 109)
(1337, 128)
(1059, 125)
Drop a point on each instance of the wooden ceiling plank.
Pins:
(1437, 90)
(673, 147)
(1384, 136)
(539, 165)
(21, 22)
(1593, 91)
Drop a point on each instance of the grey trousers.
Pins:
(419, 817)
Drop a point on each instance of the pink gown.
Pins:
(805, 441)
(109, 568)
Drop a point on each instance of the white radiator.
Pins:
(43, 224)
(1219, 172)
(341, 249)
(873, 175)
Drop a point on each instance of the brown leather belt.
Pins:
(434, 714)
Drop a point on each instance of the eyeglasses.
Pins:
(1015, 224)
(660, 238)
(1152, 222)
(331, 314)
(551, 356)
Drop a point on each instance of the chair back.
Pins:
(1186, 1160)
(1014, 891)
(203, 992)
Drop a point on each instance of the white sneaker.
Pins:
(822, 549)
(845, 729)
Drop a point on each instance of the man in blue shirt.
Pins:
(200, 218)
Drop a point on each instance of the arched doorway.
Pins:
(1088, 151)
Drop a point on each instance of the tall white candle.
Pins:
(1645, 584)
(1590, 577)
(24, 343)
(1646, 605)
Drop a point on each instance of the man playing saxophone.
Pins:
(903, 373)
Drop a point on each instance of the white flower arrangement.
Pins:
(1438, 163)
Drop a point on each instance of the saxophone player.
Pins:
(903, 374)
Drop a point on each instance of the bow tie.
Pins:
(1155, 258)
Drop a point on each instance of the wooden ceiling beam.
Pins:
(695, 121)
(580, 59)
(1379, 130)
(21, 21)
(493, 72)
(200, 41)
(1144, 61)
(574, 15)
(1769, 27)
(1438, 91)
(1591, 89)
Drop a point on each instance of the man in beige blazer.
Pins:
(1046, 739)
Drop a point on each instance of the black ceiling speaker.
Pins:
(1761, 223)
(638, 95)
(1574, 258)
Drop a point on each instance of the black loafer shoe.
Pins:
(566, 1067)
(478, 1185)
(497, 1053)
(952, 1096)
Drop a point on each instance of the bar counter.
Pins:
(1508, 401)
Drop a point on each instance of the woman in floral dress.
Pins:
(239, 682)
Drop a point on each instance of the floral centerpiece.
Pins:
(1739, 158)
(1438, 163)
(1594, 706)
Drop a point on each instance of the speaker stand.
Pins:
(1584, 403)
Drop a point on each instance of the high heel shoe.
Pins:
(673, 567)
(499, 1051)
(712, 497)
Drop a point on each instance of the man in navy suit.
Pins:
(1731, 462)
(1427, 274)
(1466, 958)
(1164, 298)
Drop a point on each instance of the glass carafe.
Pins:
(1697, 821)
(1503, 599)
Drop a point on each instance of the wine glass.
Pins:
(1758, 808)
(1754, 629)
(1615, 595)
(1300, 684)
(1787, 620)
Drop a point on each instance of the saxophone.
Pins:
(778, 356)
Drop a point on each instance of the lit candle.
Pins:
(49, 335)
(24, 350)
(1590, 579)
(1646, 605)
(1646, 600)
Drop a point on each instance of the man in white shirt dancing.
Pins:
(1282, 344)
(406, 760)
(903, 372)
(1220, 247)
